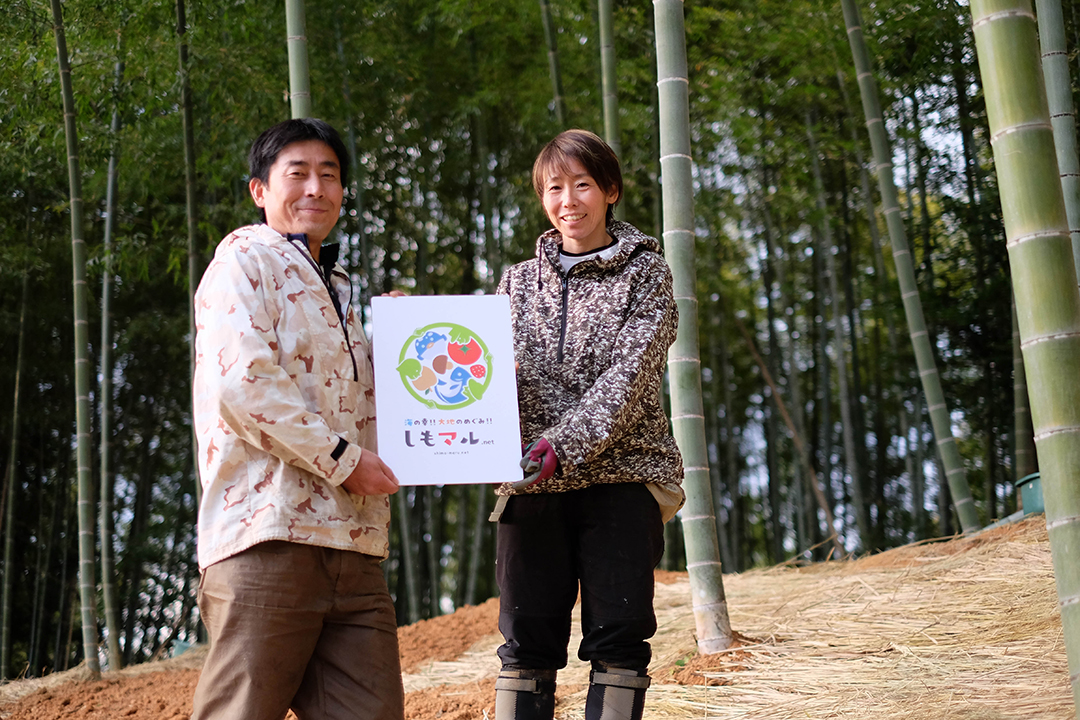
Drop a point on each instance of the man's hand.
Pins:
(371, 477)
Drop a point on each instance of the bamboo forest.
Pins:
(870, 212)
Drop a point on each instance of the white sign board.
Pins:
(445, 389)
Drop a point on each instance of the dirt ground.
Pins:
(962, 629)
(163, 691)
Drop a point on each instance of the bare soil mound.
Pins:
(965, 628)
(447, 637)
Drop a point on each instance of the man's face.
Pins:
(303, 192)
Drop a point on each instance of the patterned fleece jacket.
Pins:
(591, 346)
(277, 389)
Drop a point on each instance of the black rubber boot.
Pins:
(525, 695)
(616, 693)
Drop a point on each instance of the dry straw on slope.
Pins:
(963, 629)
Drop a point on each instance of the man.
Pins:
(295, 509)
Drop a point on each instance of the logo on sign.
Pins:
(445, 366)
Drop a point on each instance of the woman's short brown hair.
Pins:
(595, 155)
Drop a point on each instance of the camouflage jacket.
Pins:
(277, 389)
(591, 346)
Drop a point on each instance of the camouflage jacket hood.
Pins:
(591, 346)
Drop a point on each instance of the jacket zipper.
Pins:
(342, 315)
(566, 299)
(565, 303)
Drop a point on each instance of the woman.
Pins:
(593, 317)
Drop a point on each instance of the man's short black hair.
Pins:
(267, 147)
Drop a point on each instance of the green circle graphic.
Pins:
(445, 366)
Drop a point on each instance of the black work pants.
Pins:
(608, 538)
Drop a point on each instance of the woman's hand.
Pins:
(539, 463)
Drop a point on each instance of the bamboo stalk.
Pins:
(1024, 437)
(1044, 278)
(609, 86)
(87, 590)
(358, 175)
(553, 63)
(409, 559)
(684, 360)
(299, 76)
(9, 494)
(105, 524)
(905, 273)
(1055, 65)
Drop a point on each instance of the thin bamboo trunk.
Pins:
(65, 598)
(470, 280)
(492, 252)
(851, 458)
(654, 171)
(795, 419)
(140, 520)
(44, 540)
(687, 415)
(105, 524)
(918, 479)
(883, 437)
(553, 62)
(713, 426)
(674, 558)
(1024, 460)
(10, 491)
(880, 275)
(925, 225)
(433, 545)
(854, 325)
(70, 632)
(609, 85)
(1055, 65)
(731, 468)
(87, 590)
(1044, 279)
(461, 539)
(944, 501)
(777, 526)
(358, 181)
(423, 565)
(41, 580)
(191, 211)
(476, 547)
(924, 356)
(608, 80)
(408, 559)
(299, 77)
(823, 365)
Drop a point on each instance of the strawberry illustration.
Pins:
(478, 371)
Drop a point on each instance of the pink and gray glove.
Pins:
(539, 463)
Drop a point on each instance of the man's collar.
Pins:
(328, 253)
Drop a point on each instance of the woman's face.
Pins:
(577, 207)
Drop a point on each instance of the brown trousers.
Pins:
(301, 627)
